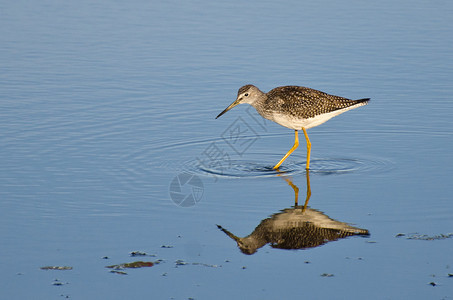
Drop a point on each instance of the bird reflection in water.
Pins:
(298, 227)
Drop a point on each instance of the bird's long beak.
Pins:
(229, 107)
(237, 239)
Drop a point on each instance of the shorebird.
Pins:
(298, 227)
(295, 107)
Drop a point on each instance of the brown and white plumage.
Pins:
(295, 107)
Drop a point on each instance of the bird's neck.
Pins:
(259, 101)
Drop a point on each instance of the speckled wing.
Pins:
(302, 102)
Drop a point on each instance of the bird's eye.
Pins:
(246, 94)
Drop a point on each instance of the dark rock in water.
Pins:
(132, 265)
(138, 253)
(56, 268)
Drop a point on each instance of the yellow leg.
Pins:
(295, 188)
(308, 190)
(296, 144)
(308, 148)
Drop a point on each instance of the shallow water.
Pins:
(109, 145)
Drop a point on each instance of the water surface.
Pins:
(104, 105)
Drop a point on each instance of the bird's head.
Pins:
(246, 94)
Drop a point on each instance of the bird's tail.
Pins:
(364, 100)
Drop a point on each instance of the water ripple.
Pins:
(137, 167)
(295, 165)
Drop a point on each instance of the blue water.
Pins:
(103, 105)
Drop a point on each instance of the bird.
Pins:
(295, 228)
(295, 107)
